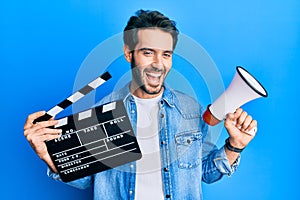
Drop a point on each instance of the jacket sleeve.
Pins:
(81, 183)
(216, 164)
(214, 161)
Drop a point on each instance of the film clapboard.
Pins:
(92, 141)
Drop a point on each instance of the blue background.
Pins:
(43, 43)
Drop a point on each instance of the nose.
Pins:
(158, 60)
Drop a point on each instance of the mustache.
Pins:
(155, 69)
(149, 69)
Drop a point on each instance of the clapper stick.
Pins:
(74, 97)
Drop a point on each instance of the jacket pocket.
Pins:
(188, 146)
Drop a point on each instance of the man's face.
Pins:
(151, 61)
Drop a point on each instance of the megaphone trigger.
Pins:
(251, 132)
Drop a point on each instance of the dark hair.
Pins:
(148, 19)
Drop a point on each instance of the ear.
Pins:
(127, 53)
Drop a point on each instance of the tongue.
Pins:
(153, 79)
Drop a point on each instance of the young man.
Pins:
(168, 124)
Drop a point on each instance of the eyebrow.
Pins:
(149, 49)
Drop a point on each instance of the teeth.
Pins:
(154, 75)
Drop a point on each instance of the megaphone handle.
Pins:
(251, 132)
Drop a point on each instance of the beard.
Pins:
(140, 79)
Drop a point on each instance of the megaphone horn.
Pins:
(242, 89)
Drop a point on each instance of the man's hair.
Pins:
(148, 19)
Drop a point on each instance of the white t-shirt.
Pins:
(148, 171)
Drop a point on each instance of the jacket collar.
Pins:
(168, 94)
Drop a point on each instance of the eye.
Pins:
(148, 53)
(167, 55)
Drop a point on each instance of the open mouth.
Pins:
(154, 77)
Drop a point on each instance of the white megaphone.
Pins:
(242, 89)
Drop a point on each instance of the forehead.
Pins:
(155, 39)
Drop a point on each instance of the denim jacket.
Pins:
(182, 134)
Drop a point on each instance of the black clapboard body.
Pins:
(92, 141)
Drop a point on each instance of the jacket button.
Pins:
(162, 115)
(168, 196)
(166, 169)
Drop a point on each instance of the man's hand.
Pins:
(38, 133)
(237, 125)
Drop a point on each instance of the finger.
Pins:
(238, 112)
(241, 119)
(252, 128)
(246, 122)
(49, 137)
(43, 131)
(32, 117)
(37, 141)
(251, 132)
(38, 128)
(35, 115)
(50, 131)
(231, 117)
(45, 124)
(252, 125)
(230, 121)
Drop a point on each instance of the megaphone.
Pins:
(242, 89)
